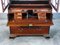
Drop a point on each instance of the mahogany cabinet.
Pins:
(29, 17)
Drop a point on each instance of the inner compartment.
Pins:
(29, 15)
(11, 16)
(49, 16)
(24, 15)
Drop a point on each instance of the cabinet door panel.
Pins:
(5, 4)
(55, 4)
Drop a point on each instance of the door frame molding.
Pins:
(3, 4)
(56, 9)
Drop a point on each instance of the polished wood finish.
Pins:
(29, 20)
(29, 31)
(38, 10)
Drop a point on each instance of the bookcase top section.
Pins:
(29, 1)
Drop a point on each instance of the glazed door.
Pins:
(5, 4)
(55, 4)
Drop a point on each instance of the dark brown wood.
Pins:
(29, 20)
(29, 31)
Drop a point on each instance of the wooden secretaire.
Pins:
(27, 18)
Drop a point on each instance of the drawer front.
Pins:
(17, 16)
(29, 30)
(42, 15)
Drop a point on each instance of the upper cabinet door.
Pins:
(5, 4)
(55, 4)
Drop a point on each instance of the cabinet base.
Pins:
(29, 31)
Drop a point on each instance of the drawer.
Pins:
(42, 15)
(17, 16)
(29, 30)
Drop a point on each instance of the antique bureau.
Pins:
(29, 17)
